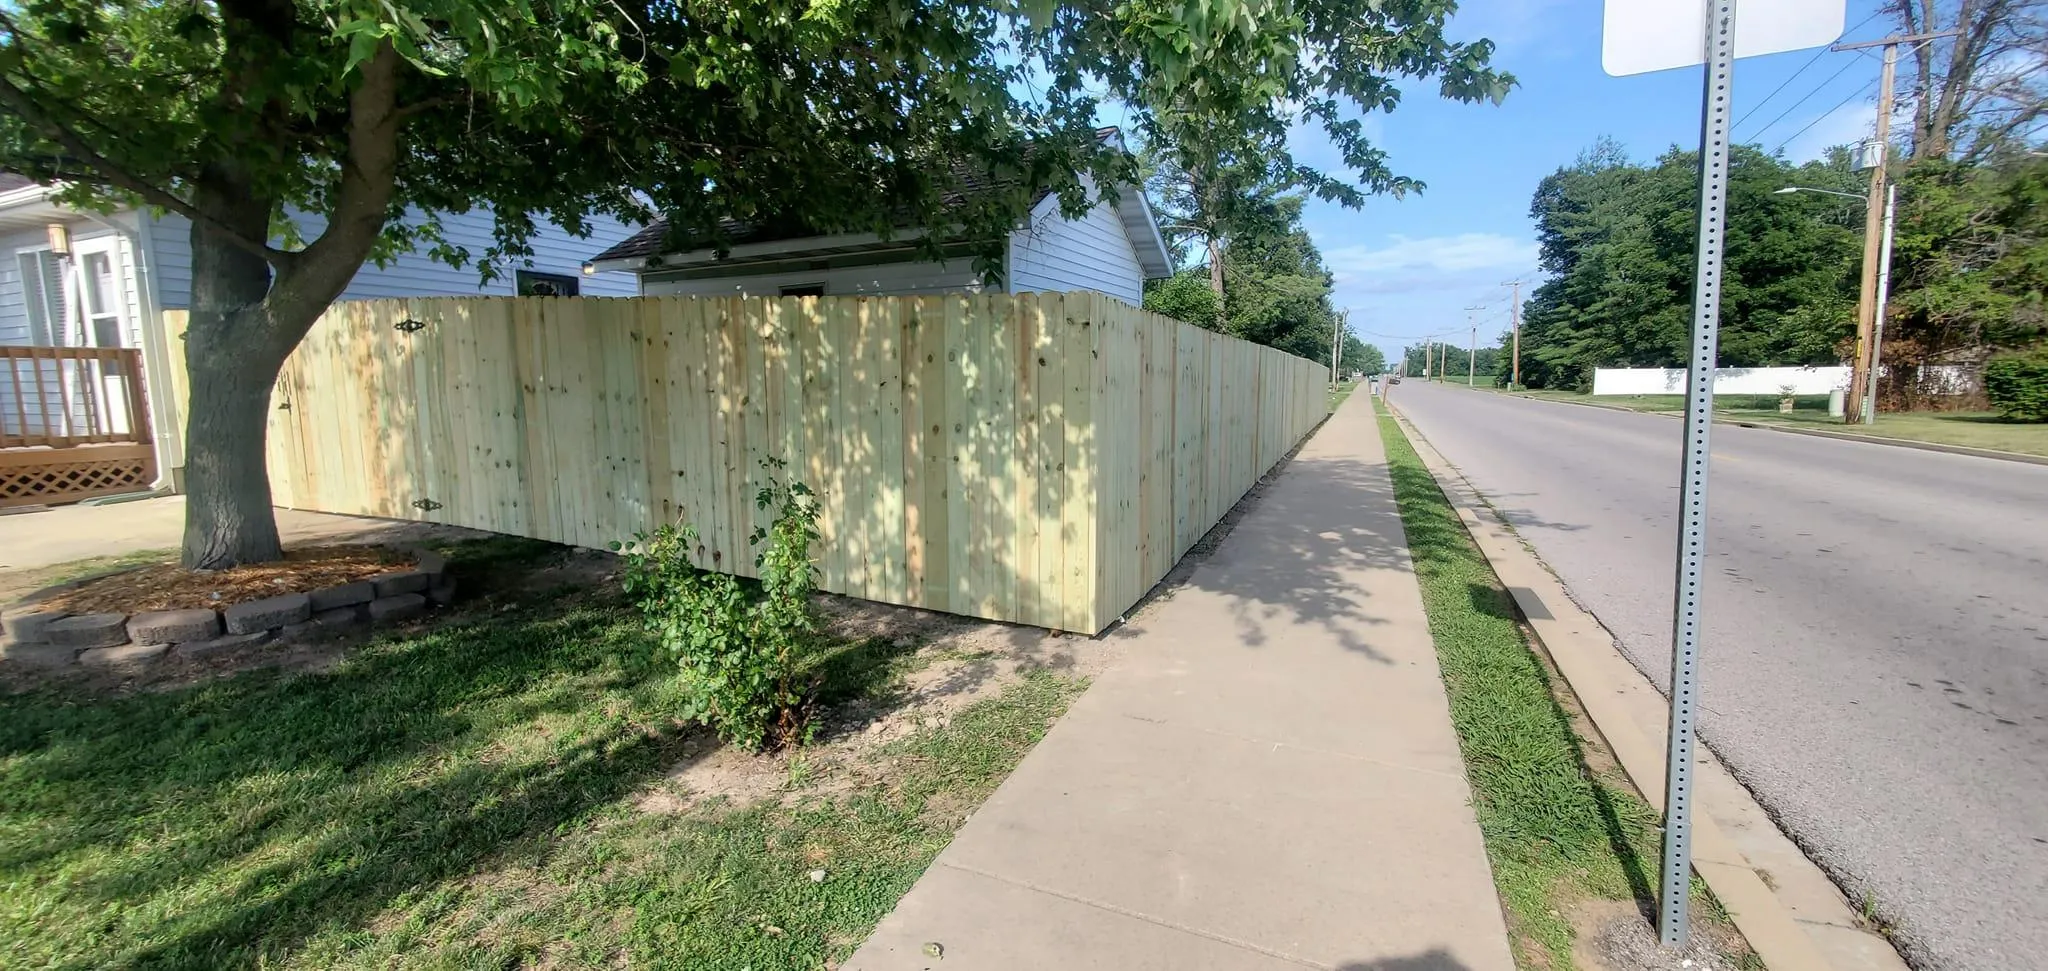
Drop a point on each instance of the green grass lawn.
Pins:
(1806, 404)
(17, 583)
(1977, 429)
(1556, 831)
(461, 798)
(1343, 391)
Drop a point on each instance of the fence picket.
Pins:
(1040, 458)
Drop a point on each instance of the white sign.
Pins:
(1639, 36)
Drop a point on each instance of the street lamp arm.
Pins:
(1788, 190)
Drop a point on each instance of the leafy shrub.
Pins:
(741, 646)
(2017, 384)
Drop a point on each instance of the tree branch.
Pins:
(19, 101)
(362, 200)
(428, 104)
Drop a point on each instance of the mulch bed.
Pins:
(172, 587)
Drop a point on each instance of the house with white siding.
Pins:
(1114, 248)
(76, 279)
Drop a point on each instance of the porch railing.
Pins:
(64, 397)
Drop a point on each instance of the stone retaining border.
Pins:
(44, 638)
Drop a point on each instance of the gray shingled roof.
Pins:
(649, 240)
(10, 181)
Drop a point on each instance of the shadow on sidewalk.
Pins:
(1319, 519)
(1435, 959)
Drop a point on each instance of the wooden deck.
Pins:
(74, 424)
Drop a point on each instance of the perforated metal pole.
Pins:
(1673, 918)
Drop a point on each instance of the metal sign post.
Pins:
(1653, 35)
(1673, 919)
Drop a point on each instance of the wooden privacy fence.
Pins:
(1037, 458)
(73, 424)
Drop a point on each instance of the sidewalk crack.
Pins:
(1147, 918)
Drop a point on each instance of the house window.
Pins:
(533, 284)
(804, 290)
(102, 292)
(42, 288)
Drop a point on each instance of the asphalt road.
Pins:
(1875, 663)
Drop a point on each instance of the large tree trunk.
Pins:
(244, 323)
(231, 361)
(228, 519)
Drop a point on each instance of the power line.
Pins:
(1753, 109)
(1858, 93)
(1817, 55)
(1846, 65)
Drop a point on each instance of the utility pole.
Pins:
(1861, 369)
(1866, 297)
(1337, 328)
(1515, 318)
(1884, 286)
(1472, 347)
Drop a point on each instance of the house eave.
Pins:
(29, 207)
(745, 253)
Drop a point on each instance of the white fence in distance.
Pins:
(1933, 379)
(1727, 380)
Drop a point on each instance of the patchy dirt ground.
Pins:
(1614, 935)
(955, 662)
(950, 662)
(168, 586)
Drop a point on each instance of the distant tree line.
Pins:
(1970, 261)
(1489, 363)
(1276, 290)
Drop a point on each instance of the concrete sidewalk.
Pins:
(1267, 780)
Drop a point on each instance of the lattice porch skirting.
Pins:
(50, 475)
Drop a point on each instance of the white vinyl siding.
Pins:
(170, 242)
(1091, 253)
(69, 326)
(887, 279)
(418, 275)
(14, 295)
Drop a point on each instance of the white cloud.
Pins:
(1431, 262)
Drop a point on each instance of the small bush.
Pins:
(2017, 384)
(741, 650)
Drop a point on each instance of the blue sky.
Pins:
(1409, 267)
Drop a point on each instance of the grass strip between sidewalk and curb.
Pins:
(1561, 823)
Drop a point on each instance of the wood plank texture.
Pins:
(1039, 458)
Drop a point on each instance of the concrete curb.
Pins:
(1789, 911)
(1982, 453)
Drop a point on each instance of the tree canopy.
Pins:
(1219, 128)
(365, 121)
(1616, 238)
(1276, 292)
(1969, 273)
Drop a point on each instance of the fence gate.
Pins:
(73, 424)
